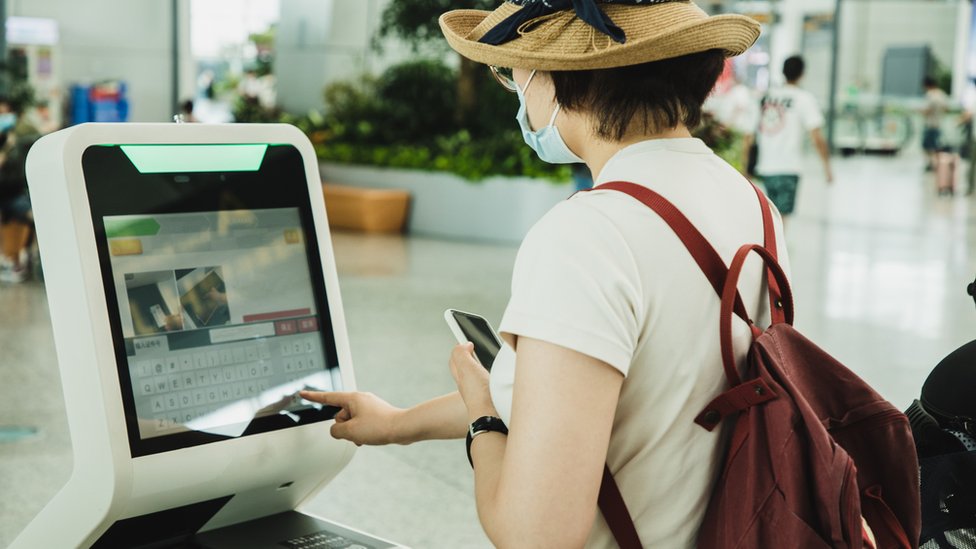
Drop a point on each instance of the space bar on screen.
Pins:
(244, 331)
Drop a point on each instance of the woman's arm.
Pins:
(538, 487)
(367, 419)
(444, 417)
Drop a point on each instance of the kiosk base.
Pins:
(288, 530)
(178, 529)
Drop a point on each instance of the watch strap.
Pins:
(484, 424)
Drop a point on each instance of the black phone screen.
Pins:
(478, 331)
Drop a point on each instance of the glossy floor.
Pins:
(880, 268)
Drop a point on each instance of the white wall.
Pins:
(787, 35)
(322, 41)
(111, 39)
(304, 47)
(960, 66)
(868, 27)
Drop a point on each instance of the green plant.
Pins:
(264, 44)
(250, 110)
(14, 85)
(403, 119)
(353, 111)
(418, 98)
(471, 159)
(424, 114)
(716, 135)
(416, 23)
(942, 75)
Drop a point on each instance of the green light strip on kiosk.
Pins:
(195, 158)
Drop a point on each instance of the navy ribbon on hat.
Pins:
(587, 10)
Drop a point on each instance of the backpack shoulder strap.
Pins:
(615, 513)
(700, 249)
(610, 500)
(776, 313)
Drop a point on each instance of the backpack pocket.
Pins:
(882, 520)
(777, 526)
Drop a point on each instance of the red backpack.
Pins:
(813, 448)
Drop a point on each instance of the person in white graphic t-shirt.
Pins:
(787, 114)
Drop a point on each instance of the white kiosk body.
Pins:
(193, 291)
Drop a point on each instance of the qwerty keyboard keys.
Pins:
(185, 386)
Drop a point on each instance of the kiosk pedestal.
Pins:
(287, 530)
(193, 293)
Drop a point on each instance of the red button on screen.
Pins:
(286, 327)
(308, 324)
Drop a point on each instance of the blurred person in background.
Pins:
(738, 109)
(787, 115)
(40, 117)
(186, 111)
(17, 135)
(936, 106)
(966, 125)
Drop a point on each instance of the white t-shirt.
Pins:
(787, 115)
(738, 109)
(936, 105)
(602, 274)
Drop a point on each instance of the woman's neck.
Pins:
(597, 152)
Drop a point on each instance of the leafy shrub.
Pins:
(354, 112)
(721, 139)
(496, 107)
(471, 159)
(250, 110)
(415, 21)
(419, 100)
(408, 118)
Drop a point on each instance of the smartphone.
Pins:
(471, 327)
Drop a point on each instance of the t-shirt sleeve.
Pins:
(810, 113)
(575, 284)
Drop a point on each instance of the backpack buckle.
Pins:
(741, 397)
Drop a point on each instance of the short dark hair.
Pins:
(793, 68)
(929, 82)
(659, 94)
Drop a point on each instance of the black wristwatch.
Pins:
(484, 424)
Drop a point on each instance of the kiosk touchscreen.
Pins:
(193, 293)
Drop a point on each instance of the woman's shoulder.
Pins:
(583, 225)
(577, 216)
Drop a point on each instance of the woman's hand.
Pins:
(364, 419)
(472, 381)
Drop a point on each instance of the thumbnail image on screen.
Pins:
(153, 303)
(203, 296)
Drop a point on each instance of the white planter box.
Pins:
(447, 206)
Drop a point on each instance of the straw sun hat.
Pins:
(592, 34)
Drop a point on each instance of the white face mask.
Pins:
(546, 142)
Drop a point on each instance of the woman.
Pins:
(611, 330)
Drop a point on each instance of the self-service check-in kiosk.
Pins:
(193, 292)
